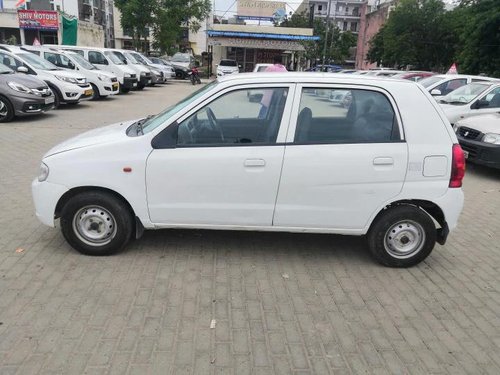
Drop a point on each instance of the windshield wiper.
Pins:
(140, 123)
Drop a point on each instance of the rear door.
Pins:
(341, 161)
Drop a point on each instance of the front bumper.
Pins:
(45, 197)
(107, 88)
(482, 153)
(129, 82)
(74, 93)
(145, 80)
(31, 104)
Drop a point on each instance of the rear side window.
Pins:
(345, 116)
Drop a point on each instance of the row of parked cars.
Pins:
(34, 79)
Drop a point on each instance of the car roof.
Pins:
(311, 77)
(451, 76)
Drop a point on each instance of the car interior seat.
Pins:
(304, 121)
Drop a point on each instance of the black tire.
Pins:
(124, 90)
(95, 95)
(140, 86)
(6, 110)
(57, 97)
(404, 226)
(98, 209)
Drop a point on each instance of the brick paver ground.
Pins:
(283, 303)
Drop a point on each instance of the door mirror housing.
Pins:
(22, 69)
(436, 92)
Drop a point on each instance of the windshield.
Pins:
(84, 63)
(228, 63)
(156, 60)
(141, 59)
(181, 58)
(161, 117)
(465, 94)
(37, 62)
(429, 81)
(114, 57)
(4, 69)
(130, 57)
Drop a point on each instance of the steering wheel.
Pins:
(213, 123)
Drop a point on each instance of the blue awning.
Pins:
(236, 34)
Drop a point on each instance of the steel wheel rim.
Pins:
(404, 239)
(94, 226)
(4, 111)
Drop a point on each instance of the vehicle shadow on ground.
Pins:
(319, 247)
(483, 171)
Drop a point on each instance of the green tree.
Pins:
(165, 19)
(338, 43)
(418, 33)
(174, 15)
(136, 18)
(477, 22)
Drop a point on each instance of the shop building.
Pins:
(253, 44)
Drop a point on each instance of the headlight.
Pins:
(44, 172)
(126, 75)
(143, 73)
(67, 79)
(20, 87)
(102, 77)
(492, 138)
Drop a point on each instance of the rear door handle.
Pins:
(383, 161)
(255, 163)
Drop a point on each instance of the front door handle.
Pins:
(255, 163)
(383, 161)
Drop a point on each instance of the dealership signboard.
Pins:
(38, 19)
(260, 10)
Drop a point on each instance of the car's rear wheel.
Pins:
(402, 236)
(96, 223)
(6, 110)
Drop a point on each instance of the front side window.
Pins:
(9, 61)
(348, 116)
(493, 98)
(241, 117)
(96, 57)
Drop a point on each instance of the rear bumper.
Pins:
(481, 152)
(451, 204)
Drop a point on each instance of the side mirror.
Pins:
(22, 69)
(436, 92)
(480, 104)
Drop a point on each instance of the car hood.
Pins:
(28, 81)
(106, 134)
(104, 73)
(65, 73)
(488, 123)
(180, 64)
(227, 68)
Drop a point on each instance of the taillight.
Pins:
(457, 166)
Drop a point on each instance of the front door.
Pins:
(225, 166)
(343, 161)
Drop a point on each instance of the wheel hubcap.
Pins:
(404, 239)
(94, 225)
(3, 109)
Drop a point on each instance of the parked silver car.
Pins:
(22, 95)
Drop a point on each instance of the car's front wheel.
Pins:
(97, 223)
(6, 110)
(402, 236)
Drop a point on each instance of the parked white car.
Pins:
(226, 67)
(479, 137)
(167, 70)
(106, 60)
(441, 85)
(158, 61)
(103, 83)
(471, 100)
(68, 87)
(291, 162)
(143, 73)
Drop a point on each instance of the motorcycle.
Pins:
(194, 76)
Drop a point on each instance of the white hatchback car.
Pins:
(290, 162)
